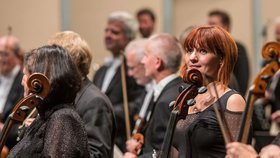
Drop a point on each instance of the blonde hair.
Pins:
(77, 48)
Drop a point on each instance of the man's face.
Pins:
(150, 61)
(8, 59)
(136, 69)
(216, 20)
(146, 25)
(115, 39)
(277, 32)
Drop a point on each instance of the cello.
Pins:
(270, 51)
(39, 86)
(180, 107)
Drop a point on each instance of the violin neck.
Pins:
(138, 125)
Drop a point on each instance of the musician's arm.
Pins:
(236, 103)
(63, 127)
(98, 120)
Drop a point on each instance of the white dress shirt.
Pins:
(114, 63)
(150, 91)
(6, 85)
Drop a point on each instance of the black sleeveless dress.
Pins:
(199, 135)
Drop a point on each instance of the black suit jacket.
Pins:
(14, 96)
(96, 111)
(114, 90)
(115, 94)
(242, 69)
(155, 129)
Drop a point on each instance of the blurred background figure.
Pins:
(185, 33)
(134, 52)
(58, 130)
(120, 30)
(277, 29)
(147, 22)
(161, 60)
(11, 90)
(241, 69)
(92, 105)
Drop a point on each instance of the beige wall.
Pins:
(35, 21)
(269, 13)
(193, 12)
(32, 21)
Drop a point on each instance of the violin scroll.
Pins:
(39, 88)
(271, 50)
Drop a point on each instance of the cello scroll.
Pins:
(38, 85)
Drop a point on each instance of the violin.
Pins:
(38, 85)
(270, 51)
(136, 134)
(181, 106)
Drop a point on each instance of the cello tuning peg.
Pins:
(23, 108)
(171, 104)
(202, 90)
(181, 88)
(191, 102)
(266, 77)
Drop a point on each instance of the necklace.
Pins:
(206, 99)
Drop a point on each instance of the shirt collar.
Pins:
(113, 62)
(150, 85)
(12, 74)
(160, 86)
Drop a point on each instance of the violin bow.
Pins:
(221, 119)
(125, 98)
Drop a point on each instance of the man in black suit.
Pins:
(11, 90)
(161, 61)
(134, 52)
(147, 22)
(241, 70)
(92, 105)
(120, 30)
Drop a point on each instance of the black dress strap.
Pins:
(223, 100)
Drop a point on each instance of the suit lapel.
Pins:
(98, 81)
(115, 80)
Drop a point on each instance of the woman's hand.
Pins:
(28, 122)
(239, 150)
(129, 155)
(276, 116)
(270, 151)
(132, 145)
